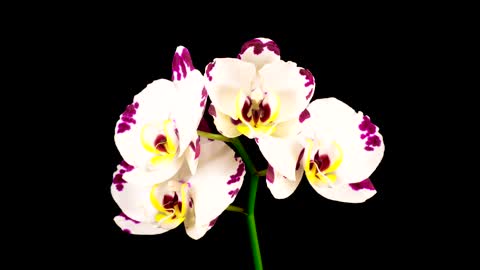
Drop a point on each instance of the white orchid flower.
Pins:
(338, 149)
(195, 200)
(158, 131)
(257, 94)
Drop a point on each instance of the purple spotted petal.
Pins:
(304, 116)
(238, 174)
(181, 64)
(127, 118)
(258, 46)
(209, 69)
(365, 184)
(270, 176)
(128, 218)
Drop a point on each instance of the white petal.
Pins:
(349, 193)
(293, 85)
(333, 120)
(259, 51)
(279, 185)
(135, 227)
(224, 123)
(225, 77)
(153, 104)
(287, 129)
(192, 154)
(215, 185)
(192, 97)
(161, 173)
(133, 199)
(281, 153)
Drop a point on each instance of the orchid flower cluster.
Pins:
(172, 173)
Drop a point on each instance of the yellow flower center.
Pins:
(163, 145)
(171, 212)
(257, 112)
(318, 168)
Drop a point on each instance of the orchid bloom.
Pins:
(337, 148)
(195, 200)
(158, 131)
(258, 94)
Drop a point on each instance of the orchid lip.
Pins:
(319, 167)
(256, 113)
(165, 144)
(172, 210)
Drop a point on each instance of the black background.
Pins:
(357, 56)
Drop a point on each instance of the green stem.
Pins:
(233, 208)
(213, 136)
(262, 172)
(257, 258)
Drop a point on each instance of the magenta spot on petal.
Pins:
(299, 159)
(212, 222)
(209, 69)
(256, 139)
(309, 94)
(365, 123)
(127, 218)
(181, 63)
(118, 180)
(259, 46)
(187, 59)
(212, 111)
(272, 46)
(234, 192)
(304, 116)
(204, 97)
(235, 122)
(308, 75)
(119, 187)
(127, 166)
(255, 43)
(270, 176)
(197, 148)
(127, 231)
(238, 174)
(127, 118)
(365, 184)
(190, 202)
(372, 140)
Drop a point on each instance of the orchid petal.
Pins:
(224, 123)
(192, 97)
(136, 227)
(293, 85)
(281, 153)
(362, 145)
(152, 105)
(280, 186)
(349, 193)
(260, 51)
(215, 185)
(133, 199)
(225, 77)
